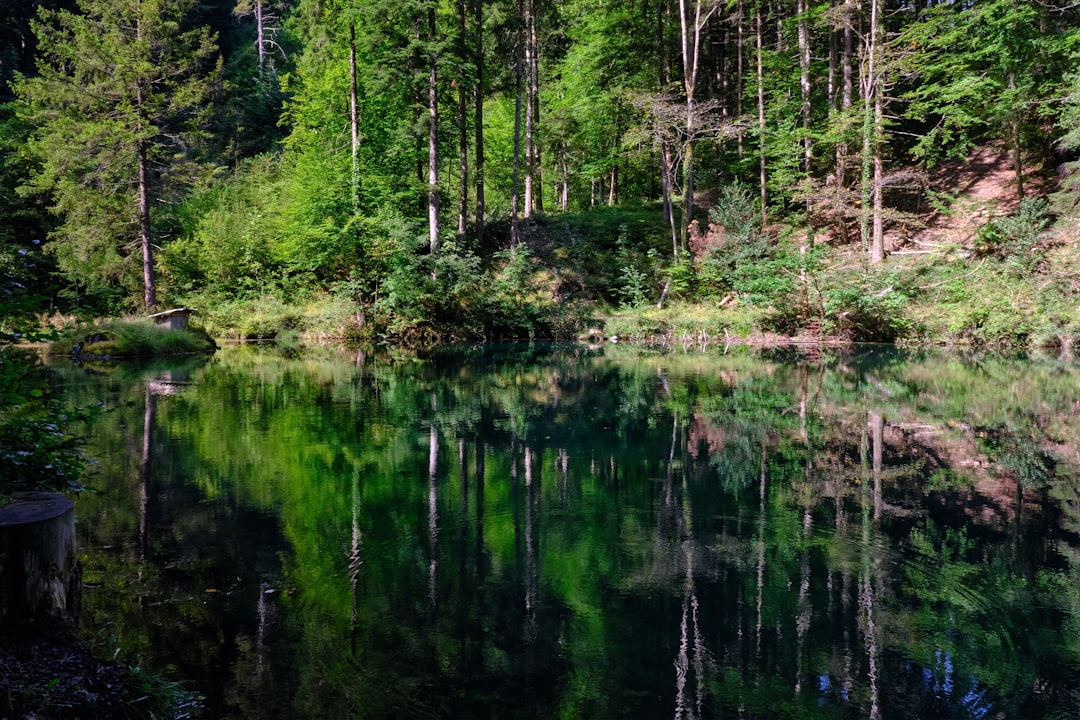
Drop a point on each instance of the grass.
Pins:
(678, 321)
(136, 337)
(255, 318)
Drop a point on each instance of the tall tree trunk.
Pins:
(463, 129)
(433, 141)
(536, 168)
(665, 144)
(514, 230)
(739, 71)
(804, 82)
(761, 115)
(564, 192)
(149, 284)
(831, 92)
(877, 253)
(872, 236)
(669, 207)
(690, 32)
(260, 41)
(1014, 138)
(847, 89)
(354, 120)
(478, 9)
(526, 20)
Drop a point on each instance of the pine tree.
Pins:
(116, 104)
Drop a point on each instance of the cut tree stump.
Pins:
(40, 576)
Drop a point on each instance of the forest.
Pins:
(428, 171)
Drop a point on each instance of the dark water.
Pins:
(545, 533)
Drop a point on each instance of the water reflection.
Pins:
(619, 534)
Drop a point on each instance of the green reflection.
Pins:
(555, 532)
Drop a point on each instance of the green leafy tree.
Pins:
(116, 103)
(979, 71)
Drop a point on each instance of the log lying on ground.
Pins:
(40, 577)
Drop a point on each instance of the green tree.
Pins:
(116, 103)
(979, 71)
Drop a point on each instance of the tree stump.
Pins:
(40, 576)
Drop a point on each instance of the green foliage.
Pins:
(739, 256)
(865, 313)
(1018, 239)
(737, 211)
(131, 338)
(120, 88)
(37, 451)
(977, 71)
(633, 286)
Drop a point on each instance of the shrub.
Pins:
(1018, 239)
(138, 337)
(863, 315)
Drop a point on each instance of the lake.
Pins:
(566, 532)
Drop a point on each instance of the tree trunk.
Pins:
(872, 237)
(1018, 159)
(669, 208)
(804, 82)
(354, 121)
(149, 285)
(260, 41)
(529, 107)
(690, 35)
(846, 97)
(479, 112)
(741, 41)
(536, 169)
(877, 253)
(564, 192)
(433, 142)
(517, 161)
(761, 117)
(665, 145)
(463, 130)
(40, 576)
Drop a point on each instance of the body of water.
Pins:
(541, 532)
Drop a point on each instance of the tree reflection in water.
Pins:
(873, 535)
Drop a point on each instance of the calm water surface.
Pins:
(540, 532)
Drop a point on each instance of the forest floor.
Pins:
(47, 678)
(970, 192)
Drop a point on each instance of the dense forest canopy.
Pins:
(498, 166)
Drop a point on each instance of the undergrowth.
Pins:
(137, 337)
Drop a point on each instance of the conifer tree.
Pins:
(116, 102)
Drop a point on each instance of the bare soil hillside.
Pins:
(965, 195)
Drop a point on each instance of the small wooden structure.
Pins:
(175, 319)
(40, 576)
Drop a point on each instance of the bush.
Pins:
(1018, 239)
(864, 315)
(131, 338)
